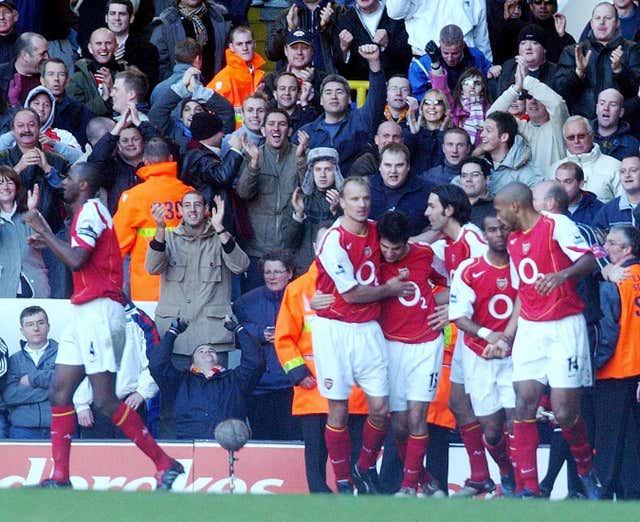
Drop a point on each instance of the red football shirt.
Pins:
(405, 318)
(482, 292)
(551, 245)
(101, 276)
(346, 260)
(468, 244)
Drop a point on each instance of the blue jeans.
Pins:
(18, 432)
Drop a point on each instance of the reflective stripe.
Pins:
(149, 231)
(292, 364)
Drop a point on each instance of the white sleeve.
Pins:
(481, 30)
(461, 295)
(568, 236)
(89, 225)
(83, 396)
(477, 247)
(515, 279)
(400, 9)
(438, 263)
(335, 260)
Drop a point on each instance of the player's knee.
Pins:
(106, 405)
(526, 406)
(564, 416)
(417, 424)
(492, 434)
(379, 413)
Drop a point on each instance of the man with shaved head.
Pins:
(611, 132)
(547, 331)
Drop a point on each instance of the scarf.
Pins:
(474, 106)
(195, 17)
(388, 116)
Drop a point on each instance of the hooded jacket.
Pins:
(515, 166)
(135, 226)
(618, 145)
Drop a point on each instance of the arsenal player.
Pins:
(95, 337)
(449, 212)
(547, 256)
(481, 304)
(348, 343)
(415, 345)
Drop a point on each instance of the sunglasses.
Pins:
(576, 137)
(545, 2)
(432, 102)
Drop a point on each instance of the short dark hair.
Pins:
(559, 195)
(279, 254)
(187, 50)
(454, 197)
(25, 109)
(394, 226)
(126, 3)
(282, 75)
(33, 310)
(578, 173)
(458, 130)
(481, 162)
(396, 148)
(134, 80)
(335, 78)
(89, 173)
(43, 67)
(631, 235)
(505, 123)
(21, 192)
(157, 150)
(491, 213)
(277, 110)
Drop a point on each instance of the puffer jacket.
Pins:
(515, 166)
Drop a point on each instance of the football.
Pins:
(232, 434)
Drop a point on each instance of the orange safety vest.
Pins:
(294, 348)
(439, 412)
(625, 361)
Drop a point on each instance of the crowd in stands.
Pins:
(219, 176)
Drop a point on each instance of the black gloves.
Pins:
(433, 51)
(178, 326)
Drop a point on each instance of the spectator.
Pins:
(392, 188)
(365, 23)
(24, 273)
(340, 128)
(254, 108)
(242, 73)
(600, 171)
(583, 206)
(131, 48)
(195, 262)
(29, 375)
(133, 221)
(611, 133)
(547, 112)
(629, 17)
(367, 163)
(453, 55)
(96, 129)
(204, 169)
(92, 80)
(59, 28)
(266, 183)
(623, 209)
(134, 384)
(8, 31)
(206, 394)
(188, 53)
(505, 20)
(69, 114)
(129, 90)
(317, 19)
(424, 20)
(312, 204)
(544, 13)
(456, 146)
(398, 98)
(294, 98)
(604, 60)
(36, 166)
(474, 180)
(18, 77)
(508, 153)
(269, 408)
(201, 20)
(618, 371)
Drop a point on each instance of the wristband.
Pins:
(483, 333)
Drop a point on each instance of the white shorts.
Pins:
(349, 353)
(457, 361)
(413, 371)
(553, 352)
(489, 383)
(94, 337)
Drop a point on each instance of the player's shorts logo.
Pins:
(502, 283)
(328, 383)
(525, 248)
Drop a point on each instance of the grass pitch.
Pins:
(62, 505)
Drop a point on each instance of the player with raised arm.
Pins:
(550, 343)
(449, 212)
(348, 342)
(95, 337)
(481, 303)
(415, 346)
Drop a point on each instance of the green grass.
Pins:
(56, 505)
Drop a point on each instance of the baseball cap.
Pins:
(299, 36)
(9, 3)
(533, 32)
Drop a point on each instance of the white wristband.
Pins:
(483, 333)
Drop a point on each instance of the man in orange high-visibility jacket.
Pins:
(294, 349)
(134, 224)
(242, 74)
(617, 360)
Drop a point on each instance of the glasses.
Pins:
(432, 102)
(274, 272)
(545, 2)
(471, 175)
(576, 137)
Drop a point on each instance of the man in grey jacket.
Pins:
(29, 374)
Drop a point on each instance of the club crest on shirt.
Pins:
(367, 251)
(328, 383)
(339, 270)
(525, 248)
(501, 283)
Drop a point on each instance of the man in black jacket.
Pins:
(206, 393)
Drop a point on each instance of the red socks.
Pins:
(500, 455)
(414, 460)
(578, 440)
(372, 439)
(338, 444)
(512, 456)
(471, 435)
(525, 434)
(401, 446)
(132, 426)
(63, 425)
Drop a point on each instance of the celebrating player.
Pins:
(414, 346)
(480, 304)
(547, 256)
(95, 336)
(348, 343)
